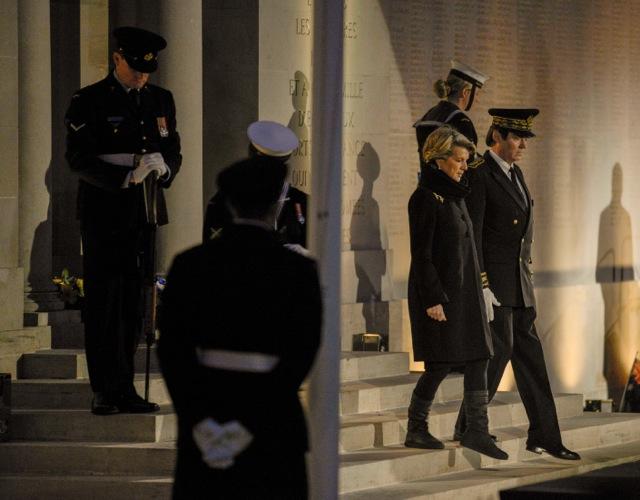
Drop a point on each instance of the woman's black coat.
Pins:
(444, 270)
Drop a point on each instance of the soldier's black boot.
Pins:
(477, 436)
(418, 435)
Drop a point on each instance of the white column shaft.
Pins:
(325, 238)
(181, 72)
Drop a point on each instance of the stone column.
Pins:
(34, 105)
(181, 72)
(11, 277)
(325, 240)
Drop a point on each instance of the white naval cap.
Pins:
(468, 73)
(272, 139)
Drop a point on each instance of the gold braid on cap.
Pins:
(513, 123)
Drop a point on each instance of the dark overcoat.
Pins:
(445, 270)
(242, 291)
(503, 225)
(444, 113)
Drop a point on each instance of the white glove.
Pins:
(295, 247)
(220, 444)
(151, 162)
(489, 301)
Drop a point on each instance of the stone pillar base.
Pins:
(42, 301)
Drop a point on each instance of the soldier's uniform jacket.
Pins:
(445, 270)
(292, 221)
(444, 113)
(503, 226)
(104, 119)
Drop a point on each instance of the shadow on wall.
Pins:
(300, 162)
(39, 279)
(366, 243)
(615, 273)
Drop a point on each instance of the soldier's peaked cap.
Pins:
(467, 73)
(272, 139)
(518, 120)
(139, 47)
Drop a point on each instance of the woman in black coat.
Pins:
(449, 325)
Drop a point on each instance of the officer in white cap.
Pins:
(273, 140)
(457, 94)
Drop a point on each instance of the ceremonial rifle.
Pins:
(150, 188)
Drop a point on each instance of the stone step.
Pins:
(487, 483)
(52, 317)
(74, 393)
(142, 471)
(80, 458)
(387, 428)
(82, 425)
(38, 487)
(382, 467)
(365, 365)
(27, 339)
(387, 393)
(71, 363)
(67, 336)
(505, 402)
(14, 343)
(54, 364)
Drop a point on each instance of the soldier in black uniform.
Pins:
(239, 329)
(501, 210)
(274, 140)
(119, 131)
(457, 93)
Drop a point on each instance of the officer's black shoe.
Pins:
(103, 404)
(457, 435)
(559, 452)
(132, 403)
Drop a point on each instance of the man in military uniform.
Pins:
(457, 94)
(239, 329)
(269, 139)
(501, 210)
(119, 131)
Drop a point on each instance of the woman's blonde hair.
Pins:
(440, 144)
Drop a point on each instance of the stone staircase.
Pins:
(60, 450)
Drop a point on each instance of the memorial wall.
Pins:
(576, 61)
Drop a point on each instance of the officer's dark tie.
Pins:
(514, 179)
(134, 95)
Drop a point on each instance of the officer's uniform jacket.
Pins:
(503, 226)
(444, 113)
(103, 119)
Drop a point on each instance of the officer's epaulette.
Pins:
(478, 162)
(438, 197)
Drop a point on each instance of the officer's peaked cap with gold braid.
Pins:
(517, 120)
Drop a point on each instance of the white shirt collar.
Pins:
(506, 167)
(124, 87)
